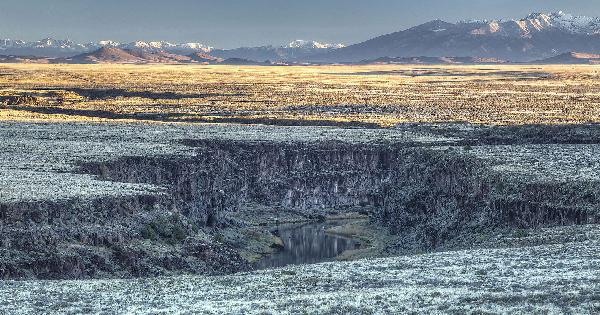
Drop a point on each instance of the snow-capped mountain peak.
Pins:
(306, 44)
(161, 45)
(10, 43)
(538, 16)
(137, 44)
(148, 45)
(576, 24)
(55, 43)
(108, 43)
(536, 36)
(537, 22)
(195, 47)
(61, 48)
(164, 45)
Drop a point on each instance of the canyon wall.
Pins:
(425, 195)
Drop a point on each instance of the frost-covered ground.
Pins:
(555, 162)
(37, 160)
(561, 278)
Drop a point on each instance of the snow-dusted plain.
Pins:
(38, 162)
(558, 278)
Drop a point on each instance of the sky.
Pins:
(236, 23)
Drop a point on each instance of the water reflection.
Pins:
(307, 244)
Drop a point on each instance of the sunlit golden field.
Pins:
(380, 95)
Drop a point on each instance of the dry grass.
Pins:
(381, 95)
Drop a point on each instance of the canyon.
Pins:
(171, 199)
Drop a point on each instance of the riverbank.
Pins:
(372, 238)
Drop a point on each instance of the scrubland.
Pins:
(355, 95)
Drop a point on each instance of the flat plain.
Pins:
(336, 95)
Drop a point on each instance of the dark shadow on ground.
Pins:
(532, 134)
(101, 94)
(190, 118)
(444, 73)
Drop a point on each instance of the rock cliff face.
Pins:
(436, 196)
(427, 195)
(225, 175)
(200, 193)
(106, 237)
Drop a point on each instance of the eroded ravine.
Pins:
(211, 213)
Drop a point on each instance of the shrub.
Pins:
(168, 229)
(149, 233)
(520, 233)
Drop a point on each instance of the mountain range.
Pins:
(297, 50)
(535, 38)
(54, 48)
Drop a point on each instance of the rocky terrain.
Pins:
(158, 201)
(168, 201)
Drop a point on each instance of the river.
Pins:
(307, 244)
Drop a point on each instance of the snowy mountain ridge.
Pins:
(537, 36)
(535, 22)
(51, 47)
(311, 44)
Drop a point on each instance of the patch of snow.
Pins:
(305, 44)
(108, 43)
(195, 47)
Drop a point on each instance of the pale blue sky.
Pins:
(234, 23)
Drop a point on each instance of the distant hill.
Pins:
(158, 56)
(118, 55)
(205, 58)
(572, 58)
(433, 60)
(105, 55)
(537, 36)
(137, 56)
